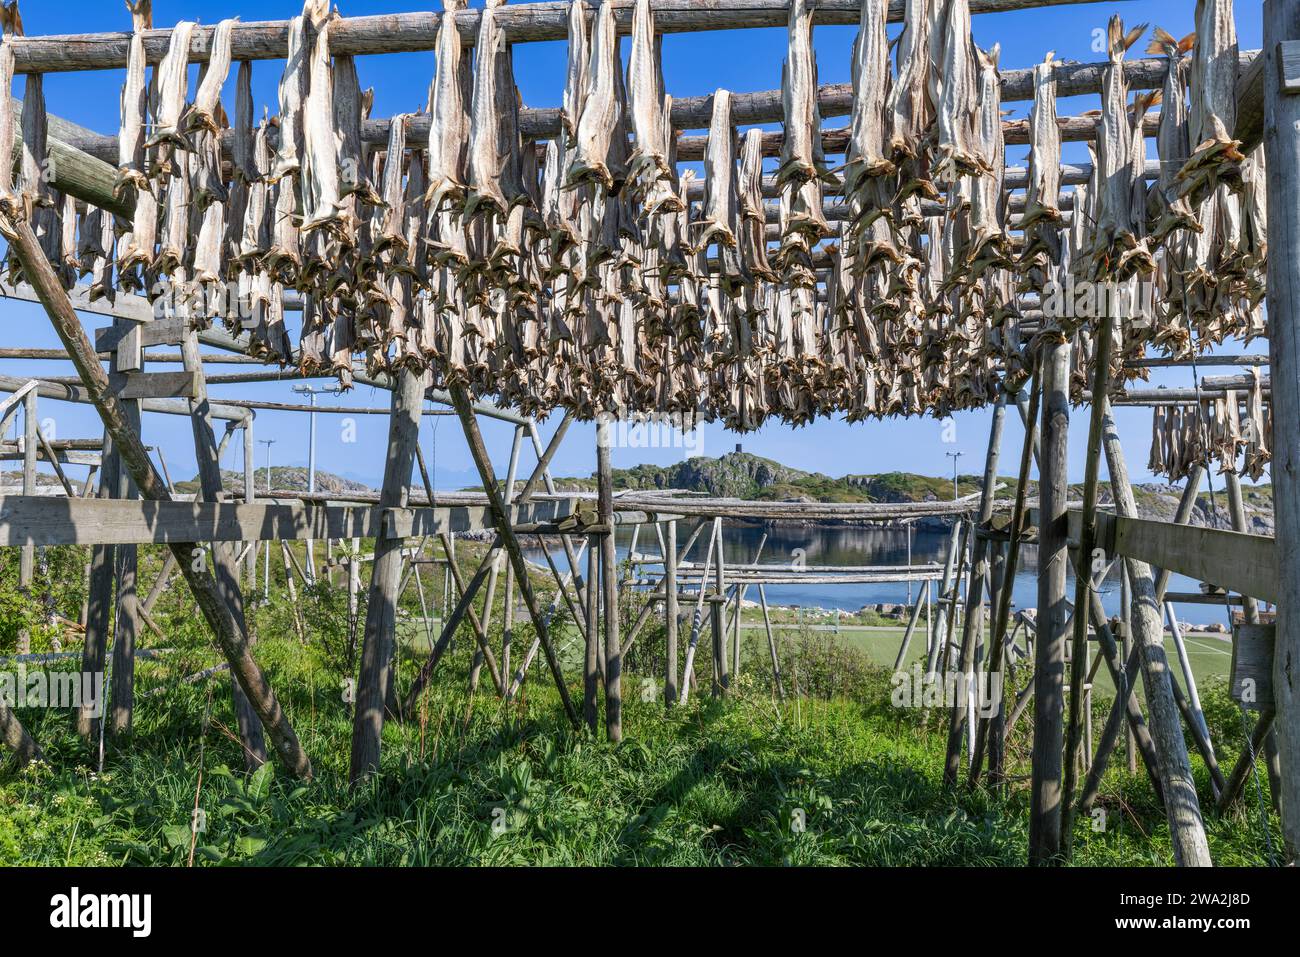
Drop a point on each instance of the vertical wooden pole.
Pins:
(591, 659)
(721, 675)
(99, 604)
(974, 624)
(250, 495)
(1126, 622)
(1183, 810)
(1282, 156)
(1084, 576)
(381, 613)
(130, 356)
(27, 556)
(1053, 613)
(609, 582)
(771, 643)
(670, 613)
(945, 583)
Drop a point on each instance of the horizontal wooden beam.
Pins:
(155, 385)
(68, 392)
(48, 520)
(1235, 561)
(412, 32)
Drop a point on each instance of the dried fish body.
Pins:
(1214, 77)
(801, 151)
(601, 111)
(1172, 140)
(493, 164)
(1042, 214)
(319, 172)
(721, 200)
(134, 105)
(295, 83)
(956, 153)
(650, 113)
(869, 149)
(391, 217)
(576, 77)
(284, 258)
(989, 243)
(910, 107)
(11, 25)
(173, 82)
(255, 237)
(753, 212)
(1117, 249)
(449, 100)
(203, 114)
(175, 240)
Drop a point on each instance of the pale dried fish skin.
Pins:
(600, 113)
(173, 79)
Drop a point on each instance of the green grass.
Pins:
(474, 781)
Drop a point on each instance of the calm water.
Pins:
(823, 545)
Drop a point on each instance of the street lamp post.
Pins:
(954, 456)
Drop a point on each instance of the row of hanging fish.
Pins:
(591, 272)
(1231, 429)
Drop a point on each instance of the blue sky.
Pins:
(694, 64)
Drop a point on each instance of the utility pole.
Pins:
(954, 456)
(311, 392)
(266, 587)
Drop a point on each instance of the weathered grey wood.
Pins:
(974, 623)
(480, 633)
(1282, 155)
(78, 394)
(225, 567)
(1053, 613)
(46, 520)
(155, 385)
(1232, 560)
(126, 617)
(771, 643)
(465, 411)
(993, 729)
(1182, 808)
(670, 613)
(1253, 649)
(233, 641)
(27, 557)
(408, 32)
(609, 584)
(1101, 375)
(160, 332)
(378, 641)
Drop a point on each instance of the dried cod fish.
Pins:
(721, 201)
(295, 83)
(868, 155)
(801, 151)
(955, 152)
(910, 106)
(449, 97)
(135, 105)
(203, 114)
(172, 79)
(590, 161)
(321, 198)
(989, 244)
(650, 114)
(495, 180)
(1172, 139)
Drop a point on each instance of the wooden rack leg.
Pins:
(1053, 614)
(670, 613)
(609, 584)
(378, 640)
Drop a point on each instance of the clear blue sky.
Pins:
(695, 64)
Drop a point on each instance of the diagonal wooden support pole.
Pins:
(1182, 808)
(973, 626)
(231, 638)
(505, 531)
(378, 642)
(208, 455)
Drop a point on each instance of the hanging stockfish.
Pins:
(173, 248)
(283, 259)
(648, 169)
(1257, 429)
(753, 212)
(1156, 463)
(349, 106)
(989, 243)
(1172, 211)
(96, 249)
(576, 75)
(1254, 245)
(956, 153)
(34, 188)
(319, 178)
(1042, 216)
(295, 83)
(802, 159)
(10, 26)
(601, 109)
(721, 201)
(255, 235)
(172, 80)
(202, 114)
(449, 100)
(910, 106)
(868, 157)
(1118, 249)
(1212, 115)
(389, 220)
(493, 165)
(135, 105)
